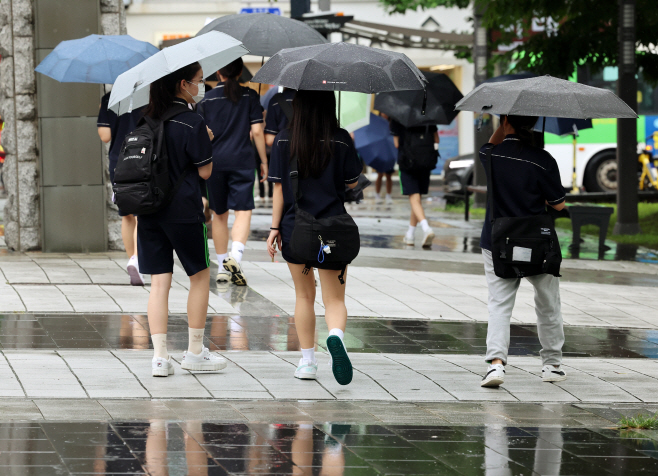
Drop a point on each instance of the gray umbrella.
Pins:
(265, 34)
(545, 96)
(341, 67)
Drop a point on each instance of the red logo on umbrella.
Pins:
(324, 82)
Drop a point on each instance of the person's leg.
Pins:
(129, 234)
(158, 314)
(304, 305)
(197, 308)
(378, 183)
(422, 183)
(389, 183)
(220, 233)
(240, 233)
(548, 307)
(417, 212)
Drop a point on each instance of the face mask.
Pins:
(202, 92)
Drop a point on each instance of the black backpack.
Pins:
(522, 246)
(141, 179)
(418, 154)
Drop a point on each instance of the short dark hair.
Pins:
(164, 90)
(522, 125)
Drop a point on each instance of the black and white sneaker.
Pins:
(550, 373)
(495, 376)
(231, 265)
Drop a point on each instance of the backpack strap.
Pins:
(294, 179)
(285, 106)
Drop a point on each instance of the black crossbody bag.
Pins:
(522, 246)
(326, 240)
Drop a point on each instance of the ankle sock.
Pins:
(309, 354)
(160, 345)
(425, 225)
(337, 332)
(221, 258)
(237, 249)
(388, 196)
(411, 231)
(195, 344)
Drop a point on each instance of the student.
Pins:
(327, 161)
(233, 112)
(180, 226)
(276, 119)
(113, 129)
(526, 179)
(414, 185)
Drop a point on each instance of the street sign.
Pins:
(271, 10)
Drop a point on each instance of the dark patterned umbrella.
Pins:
(265, 34)
(341, 67)
(405, 106)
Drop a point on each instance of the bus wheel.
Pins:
(601, 173)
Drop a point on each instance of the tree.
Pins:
(577, 32)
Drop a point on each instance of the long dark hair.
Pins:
(312, 130)
(231, 72)
(164, 90)
(523, 126)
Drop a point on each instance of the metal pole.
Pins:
(481, 136)
(574, 179)
(627, 182)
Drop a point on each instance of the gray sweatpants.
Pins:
(502, 294)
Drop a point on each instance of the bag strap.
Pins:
(285, 106)
(294, 179)
(490, 190)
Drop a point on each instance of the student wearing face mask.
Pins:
(234, 114)
(180, 225)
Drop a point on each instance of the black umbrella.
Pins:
(341, 67)
(265, 34)
(406, 106)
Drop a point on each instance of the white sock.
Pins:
(411, 231)
(425, 226)
(388, 196)
(160, 345)
(337, 332)
(220, 258)
(195, 344)
(309, 355)
(237, 249)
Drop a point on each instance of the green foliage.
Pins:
(586, 34)
(640, 421)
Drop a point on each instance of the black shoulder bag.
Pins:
(326, 240)
(522, 246)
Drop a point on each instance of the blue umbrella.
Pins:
(562, 126)
(95, 58)
(375, 144)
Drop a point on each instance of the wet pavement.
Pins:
(277, 333)
(162, 447)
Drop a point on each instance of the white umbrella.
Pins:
(213, 51)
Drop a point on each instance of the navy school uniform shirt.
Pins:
(231, 123)
(189, 148)
(525, 177)
(276, 120)
(120, 127)
(322, 197)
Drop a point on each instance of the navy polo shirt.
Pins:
(189, 147)
(524, 177)
(276, 120)
(322, 197)
(231, 124)
(120, 127)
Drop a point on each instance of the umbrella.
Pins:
(405, 106)
(353, 110)
(95, 58)
(265, 34)
(341, 67)
(214, 50)
(375, 144)
(545, 96)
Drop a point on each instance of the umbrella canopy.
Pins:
(213, 51)
(265, 34)
(406, 106)
(341, 67)
(353, 110)
(562, 126)
(510, 77)
(375, 144)
(95, 58)
(545, 96)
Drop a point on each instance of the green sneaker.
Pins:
(340, 362)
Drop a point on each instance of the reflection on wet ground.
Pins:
(277, 333)
(198, 448)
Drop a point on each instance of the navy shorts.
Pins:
(414, 183)
(231, 190)
(156, 243)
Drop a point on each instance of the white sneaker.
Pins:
(136, 278)
(550, 373)
(428, 237)
(223, 276)
(495, 376)
(408, 240)
(306, 370)
(378, 200)
(162, 367)
(389, 200)
(232, 266)
(205, 361)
